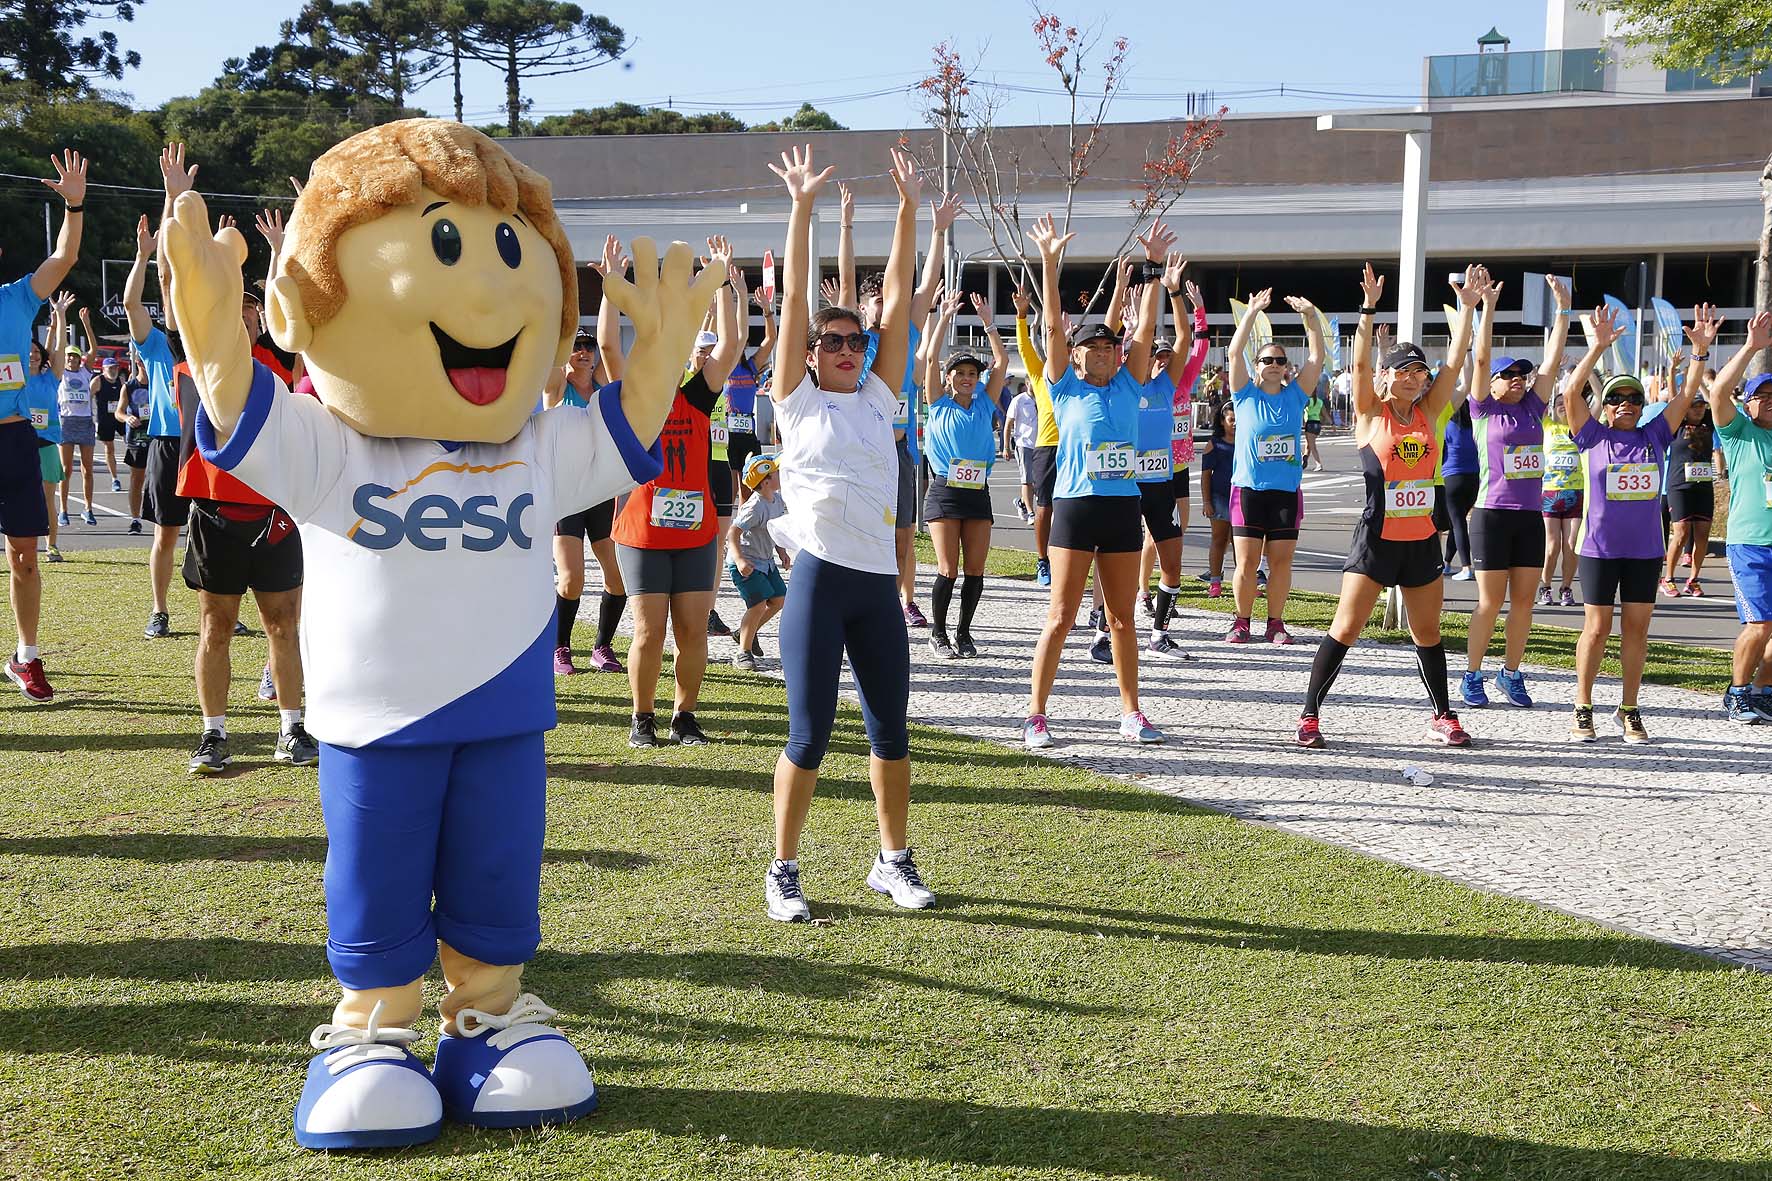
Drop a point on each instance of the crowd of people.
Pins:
(790, 472)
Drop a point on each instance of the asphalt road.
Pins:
(1333, 498)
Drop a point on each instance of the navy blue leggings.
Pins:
(832, 609)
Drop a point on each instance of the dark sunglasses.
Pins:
(1270, 360)
(1510, 374)
(836, 342)
(583, 343)
(1624, 399)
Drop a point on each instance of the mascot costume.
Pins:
(427, 282)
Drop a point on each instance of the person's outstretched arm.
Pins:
(609, 354)
(1545, 384)
(1239, 364)
(766, 350)
(1484, 348)
(848, 294)
(943, 215)
(1722, 402)
(1051, 244)
(1116, 306)
(1603, 330)
(730, 346)
(1365, 392)
(1312, 371)
(803, 183)
(1470, 294)
(58, 327)
(70, 185)
(981, 307)
(897, 303)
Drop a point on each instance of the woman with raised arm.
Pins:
(1621, 548)
(1395, 543)
(1096, 507)
(1166, 424)
(839, 480)
(959, 441)
(1267, 501)
(1507, 535)
(1565, 486)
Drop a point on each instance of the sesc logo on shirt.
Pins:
(433, 521)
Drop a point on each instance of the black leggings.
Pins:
(1461, 498)
(833, 611)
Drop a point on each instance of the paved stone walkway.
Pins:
(1672, 840)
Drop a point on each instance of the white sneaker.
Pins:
(781, 891)
(900, 879)
(1034, 734)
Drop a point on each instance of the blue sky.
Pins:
(857, 59)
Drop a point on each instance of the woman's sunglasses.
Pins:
(1624, 399)
(836, 342)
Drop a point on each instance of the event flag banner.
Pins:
(1624, 349)
(1239, 309)
(1670, 327)
(1332, 339)
(769, 277)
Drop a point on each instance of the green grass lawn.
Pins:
(1685, 666)
(1113, 985)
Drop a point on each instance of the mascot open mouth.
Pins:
(477, 374)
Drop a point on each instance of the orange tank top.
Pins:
(1399, 461)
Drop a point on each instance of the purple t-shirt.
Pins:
(1510, 452)
(1622, 517)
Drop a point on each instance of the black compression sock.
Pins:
(939, 600)
(1324, 669)
(971, 590)
(566, 614)
(1164, 605)
(609, 609)
(1432, 663)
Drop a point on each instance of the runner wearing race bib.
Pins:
(79, 432)
(1692, 461)
(1621, 550)
(1396, 417)
(1744, 435)
(1564, 486)
(961, 446)
(1507, 533)
(577, 386)
(1042, 452)
(743, 439)
(1267, 503)
(42, 394)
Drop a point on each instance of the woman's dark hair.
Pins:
(823, 319)
(1218, 416)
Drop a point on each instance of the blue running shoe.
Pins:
(512, 1070)
(1738, 706)
(1102, 650)
(1471, 689)
(1512, 686)
(367, 1090)
(1760, 701)
(1043, 572)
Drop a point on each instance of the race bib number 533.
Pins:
(1633, 481)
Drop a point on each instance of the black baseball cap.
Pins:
(1403, 354)
(1093, 332)
(963, 358)
(1162, 345)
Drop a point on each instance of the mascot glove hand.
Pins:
(204, 284)
(666, 308)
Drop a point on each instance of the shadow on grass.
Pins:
(166, 848)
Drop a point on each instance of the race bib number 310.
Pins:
(1110, 461)
(1633, 481)
(677, 508)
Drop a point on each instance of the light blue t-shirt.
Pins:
(1156, 429)
(1097, 433)
(1270, 438)
(18, 311)
(42, 395)
(157, 359)
(906, 417)
(962, 433)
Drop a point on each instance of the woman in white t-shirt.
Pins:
(839, 466)
(74, 403)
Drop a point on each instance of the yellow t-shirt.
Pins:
(1047, 433)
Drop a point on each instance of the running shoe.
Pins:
(644, 732)
(1512, 686)
(939, 645)
(757, 647)
(1310, 734)
(716, 625)
(563, 662)
(212, 756)
(52, 554)
(1686, 558)
(1042, 573)
(1260, 581)
(1465, 575)
(1102, 651)
(1567, 599)
(61, 519)
(745, 661)
(1669, 589)
(1581, 727)
(1471, 690)
(898, 878)
(1693, 589)
(781, 893)
(1161, 645)
(267, 688)
(1137, 728)
(1239, 633)
(1034, 734)
(1097, 619)
(1277, 633)
(686, 730)
(1149, 604)
(964, 646)
(1544, 596)
(1021, 507)
(1445, 728)
(297, 747)
(913, 615)
(603, 660)
(1630, 724)
(135, 525)
(116, 484)
(1761, 702)
(158, 627)
(1214, 588)
(1738, 707)
(88, 518)
(240, 628)
(28, 676)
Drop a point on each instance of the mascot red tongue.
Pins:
(428, 631)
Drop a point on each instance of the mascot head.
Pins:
(427, 283)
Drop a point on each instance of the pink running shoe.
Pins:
(603, 660)
(1239, 633)
(30, 680)
(1215, 588)
(563, 662)
(913, 615)
(1277, 633)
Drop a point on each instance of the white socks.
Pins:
(219, 722)
(27, 653)
(291, 719)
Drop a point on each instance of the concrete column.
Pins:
(814, 271)
(1412, 280)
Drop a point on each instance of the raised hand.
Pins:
(144, 237)
(831, 290)
(1173, 266)
(1381, 337)
(1607, 329)
(719, 255)
(1371, 287)
(762, 303)
(1259, 301)
(1301, 305)
(1706, 324)
(797, 174)
(296, 185)
(1022, 301)
(981, 307)
(70, 176)
(611, 262)
(1470, 292)
(846, 200)
(61, 301)
(906, 178)
(947, 211)
(174, 175)
(735, 279)
(1193, 295)
(1759, 332)
(1559, 291)
(270, 227)
(1047, 240)
(1491, 296)
(1123, 271)
(951, 303)
(1157, 241)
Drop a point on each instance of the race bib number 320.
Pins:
(1110, 461)
(1633, 481)
(1276, 449)
(677, 508)
(1408, 498)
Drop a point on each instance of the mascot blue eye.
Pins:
(446, 242)
(509, 248)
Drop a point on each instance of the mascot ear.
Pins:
(289, 325)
